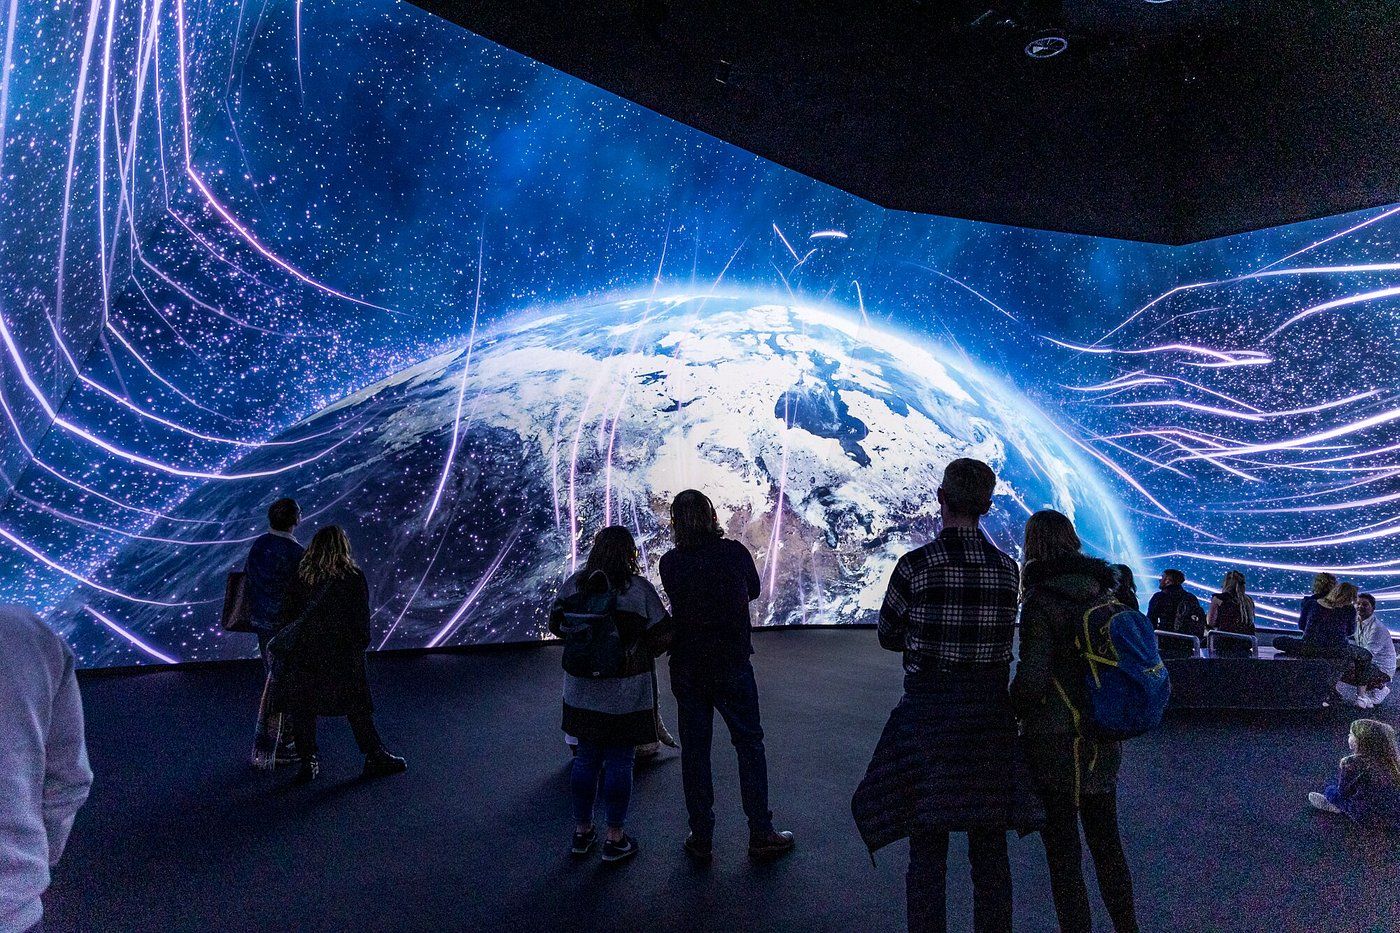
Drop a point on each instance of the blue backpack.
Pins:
(1127, 683)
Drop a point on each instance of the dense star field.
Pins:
(473, 309)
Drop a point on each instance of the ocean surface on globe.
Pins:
(471, 483)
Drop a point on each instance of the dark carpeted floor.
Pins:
(180, 834)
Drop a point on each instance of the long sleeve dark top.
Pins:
(1330, 629)
(1162, 608)
(710, 587)
(272, 562)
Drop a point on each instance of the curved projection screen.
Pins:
(473, 310)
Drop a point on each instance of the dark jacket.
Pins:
(1163, 606)
(1305, 612)
(1330, 630)
(272, 562)
(1367, 794)
(325, 662)
(710, 587)
(948, 760)
(1049, 692)
(612, 711)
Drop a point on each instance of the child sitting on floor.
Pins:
(1367, 788)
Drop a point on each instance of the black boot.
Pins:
(381, 763)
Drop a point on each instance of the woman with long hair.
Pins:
(710, 580)
(1232, 609)
(1076, 773)
(322, 652)
(1367, 787)
(1331, 625)
(1322, 584)
(613, 625)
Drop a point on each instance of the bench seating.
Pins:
(1253, 683)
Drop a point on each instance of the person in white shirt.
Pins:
(44, 772)
(1375, 636)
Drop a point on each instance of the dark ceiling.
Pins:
(1169, 121)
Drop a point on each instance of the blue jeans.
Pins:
(615, 764)
(729, 688)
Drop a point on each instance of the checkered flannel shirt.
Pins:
(951, 603)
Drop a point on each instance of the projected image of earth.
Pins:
(819, 438)
(473, 310)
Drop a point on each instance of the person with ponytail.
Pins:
(321, 653)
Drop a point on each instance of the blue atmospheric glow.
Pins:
(473, 309)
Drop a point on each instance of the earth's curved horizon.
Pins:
(820, 438)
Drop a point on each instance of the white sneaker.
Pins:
(1322, 803)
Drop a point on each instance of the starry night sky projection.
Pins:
(473, 309)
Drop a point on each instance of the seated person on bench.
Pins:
(1373, 685)
(1231, 610)
(1331, 624)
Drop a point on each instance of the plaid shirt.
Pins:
(951, 603)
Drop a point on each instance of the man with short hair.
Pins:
(1372, 685)
(945, 762)
(272, 562)
(44, 772)
(1165, 609)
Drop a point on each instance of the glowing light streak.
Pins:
(78, 97)
(828, 234)
(1381, 569)
(1231, 358)
(129, 636)
(462, 383)
(1325, 240)
(968, 288)
(198, 181)
(1376, 295)
(452, 623)
(52, 564)
(1247, 416)
(796, 258)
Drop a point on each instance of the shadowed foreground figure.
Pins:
(1075, 773)
(44, 773)
(319, 656)
(947, 760)
(613, 625)
(710, 580)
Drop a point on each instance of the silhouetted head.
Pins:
(1171, 577)
(1365, 605)
(283, 515)
(1233, 584)
(693, 519)
(966, 490)
(1374, 743)
(1323, 584)
(614, 552)
(1342, 595)
(327, 557)
(1124, 575)
(1050, 534)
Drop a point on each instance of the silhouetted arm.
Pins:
(67, 775)
(360, 613)
(894, 612)
(751, 575)
(1033, 678)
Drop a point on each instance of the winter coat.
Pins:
(613, 711)
(947, 761)
(1049, 692)
(324, 667)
